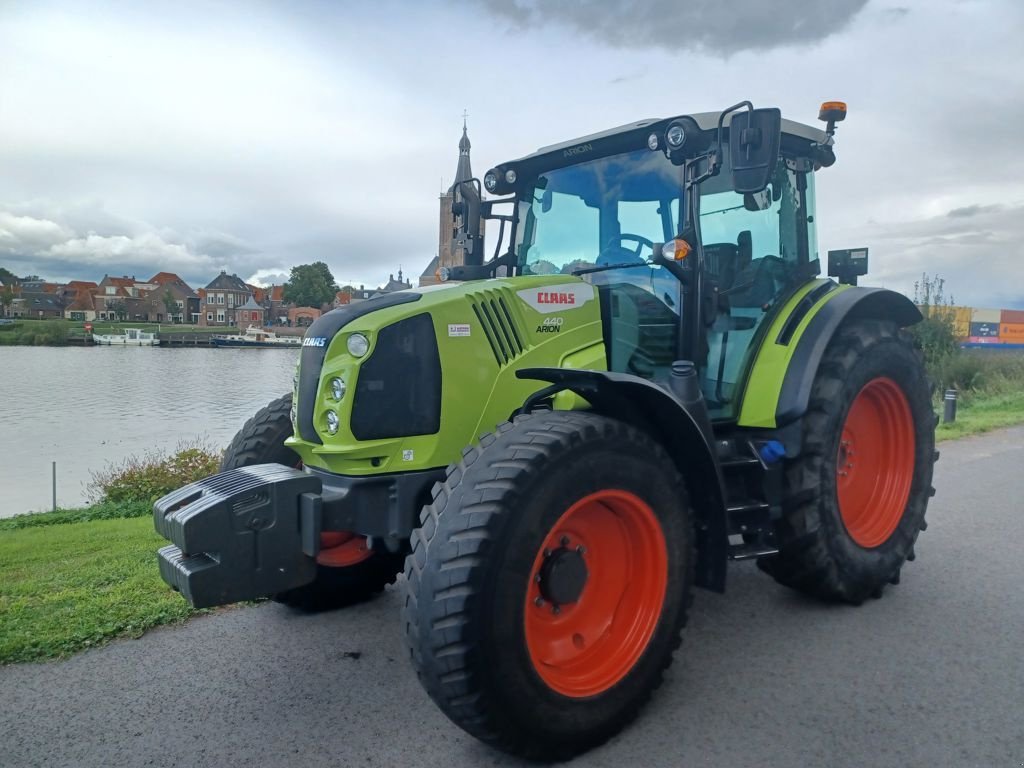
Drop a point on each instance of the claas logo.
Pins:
(555, 297)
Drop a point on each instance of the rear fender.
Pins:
(639, 402)
(851, 304)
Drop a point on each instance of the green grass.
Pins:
(983, 413)
(64, 588)
(104, 510)
(29, 332)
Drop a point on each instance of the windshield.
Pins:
(605, 212)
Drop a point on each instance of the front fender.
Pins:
(639, 402)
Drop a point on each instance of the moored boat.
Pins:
(129, 337)
(256, 337)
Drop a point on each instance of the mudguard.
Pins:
(640, 402)
(778, 386)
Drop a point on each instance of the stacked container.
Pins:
(985, 326)
(1011, 326)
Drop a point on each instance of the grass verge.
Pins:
(67, 587)
(983, 413)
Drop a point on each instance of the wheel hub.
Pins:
(562, 576)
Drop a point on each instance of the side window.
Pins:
(565, 235)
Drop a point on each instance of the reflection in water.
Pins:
(84, 407)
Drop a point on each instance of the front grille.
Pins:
(493, 315)
(398, 393)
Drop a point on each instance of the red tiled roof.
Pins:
(83, 302)
(277, 293)
(259, 294)
(164, 277)
(122, 282)
(80, 285)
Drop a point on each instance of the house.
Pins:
(276, 311)
(122, 298)
(171, 288)
(77, 297)
(37, 305)
(224, 294)
(350, 295)
(250, 313)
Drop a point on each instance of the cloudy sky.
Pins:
(253, 136)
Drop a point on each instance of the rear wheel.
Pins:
(548, 584)
(856, 495)
(348, 571)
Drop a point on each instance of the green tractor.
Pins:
(647, 380)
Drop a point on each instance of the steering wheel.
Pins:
(613, 253)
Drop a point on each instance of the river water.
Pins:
(86, 407)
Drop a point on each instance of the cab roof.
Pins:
(706, 121)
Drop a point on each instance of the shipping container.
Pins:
(982, 340)
(962, 321)
(1011, 333)
(987, 330)
(1012, 316)
(986, 316)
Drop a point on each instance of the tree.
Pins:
(170, 304)
(119, 308)
(6, 297)
(310, 285)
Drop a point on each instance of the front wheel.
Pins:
(856, 494)
(548, 585)
(348, 571)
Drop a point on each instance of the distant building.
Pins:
(445, 256)
(250, 313)
(221, 298)
(186, 300)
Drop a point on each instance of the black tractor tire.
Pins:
(848, 559)
(261, 441)
(478, 558)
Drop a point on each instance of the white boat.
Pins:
(256, 337)
(129, 337)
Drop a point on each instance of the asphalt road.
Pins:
(930, 675)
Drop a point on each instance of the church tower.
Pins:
(445, 257)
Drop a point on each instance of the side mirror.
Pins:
(754, 137)
(466, 202)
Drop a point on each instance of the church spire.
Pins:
(464, 172)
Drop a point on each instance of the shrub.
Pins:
(147, 478)
(936, 333)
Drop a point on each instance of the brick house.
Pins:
(122, 298)
(221, 298)
(38, 305)
(186, 300)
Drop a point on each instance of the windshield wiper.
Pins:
(605, 267)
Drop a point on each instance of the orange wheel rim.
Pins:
(339, 549)
(875, 463)
(584, 638)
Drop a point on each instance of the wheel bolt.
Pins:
(547, 553)
(555, 610)
(538, 601)
(537, 578)
(564, 541)
(581, 549)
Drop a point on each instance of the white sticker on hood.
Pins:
(557, 298)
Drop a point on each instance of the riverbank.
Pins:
(63, 333)
(78, 578)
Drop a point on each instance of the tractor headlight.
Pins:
(358, 345)
(652, 142)
(338, 388)
(490, 181)
(332, 422)
(675, 136)
(510, 176)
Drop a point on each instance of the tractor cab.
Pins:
(741, 233)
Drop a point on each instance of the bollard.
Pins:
(949, 401)
(54, 473)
